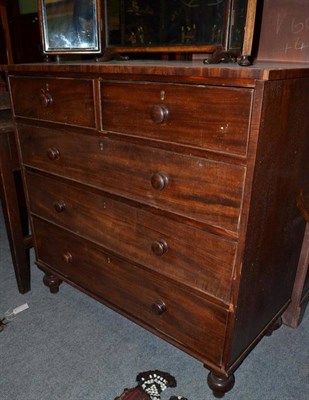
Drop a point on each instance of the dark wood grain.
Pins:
(186, 71)
(118, 282)
(198, 188)
(273, 242)
(300, 295)
(222, 125)
(62, 100)
(191, 233)
(13, 203)
(6, 52)
(132, 232)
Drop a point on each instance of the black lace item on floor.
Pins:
(150, 386)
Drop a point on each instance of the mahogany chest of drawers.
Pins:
(168, 192)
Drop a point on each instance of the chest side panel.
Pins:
(275, 226)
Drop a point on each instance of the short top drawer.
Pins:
(201, 189)
(68, 101)
(213, 118)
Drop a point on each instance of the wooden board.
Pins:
(285, 31)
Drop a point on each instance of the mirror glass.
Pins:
(70, 26)
(238, 22)
(172, 23)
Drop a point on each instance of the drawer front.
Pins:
(68, 101)
(188, 319)
(194, 187)
(194, 257)
(200, 116)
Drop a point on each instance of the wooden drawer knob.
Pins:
(67, 257)
(158, 307)
(159, 181)
(159, 114)
(159, 247)
(59, 206)
(46, 99)
(53, 153)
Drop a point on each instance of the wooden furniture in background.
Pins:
(7, 56)
(25, 34)
(167, 191)
(300, 296)
(11, 186)
(13, 202)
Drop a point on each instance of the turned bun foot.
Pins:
(52, 282)
(220, 385)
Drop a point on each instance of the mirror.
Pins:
(223, 28)
(70, 26)
(174, 25)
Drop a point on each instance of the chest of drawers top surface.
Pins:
(184, 70)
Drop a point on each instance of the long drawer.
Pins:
(208, 117)
(163, 306)
(191, 256)
(68, 101)
(200, 189)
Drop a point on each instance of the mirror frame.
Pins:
(244, 50)
(65, 50)
(220, 52)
